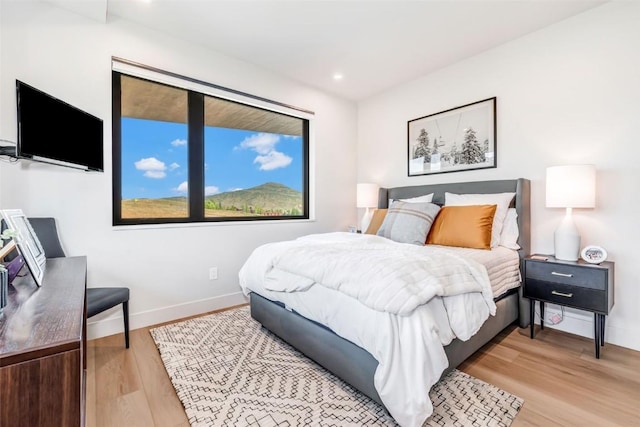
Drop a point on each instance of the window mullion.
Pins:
(196, 156)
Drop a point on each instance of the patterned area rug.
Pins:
(228, 371)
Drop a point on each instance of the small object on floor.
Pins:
(555, 319)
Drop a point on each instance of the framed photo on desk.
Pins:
(27, 242)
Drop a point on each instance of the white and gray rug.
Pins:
(228, 371)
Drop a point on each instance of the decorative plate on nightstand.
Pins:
(593, 254)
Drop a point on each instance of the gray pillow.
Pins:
(408, 222)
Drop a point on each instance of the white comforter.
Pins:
(381, 274)
(405, 317)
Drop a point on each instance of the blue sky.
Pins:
(154, 159)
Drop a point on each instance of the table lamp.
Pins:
(572, 186)
(367, 197)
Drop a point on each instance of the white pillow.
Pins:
(510, 232)
(427, 198)
(501, 200)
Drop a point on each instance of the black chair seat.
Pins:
(101, 299)
(98, 299)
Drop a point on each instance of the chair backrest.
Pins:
(47, 232)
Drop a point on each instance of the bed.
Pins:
(347, 358)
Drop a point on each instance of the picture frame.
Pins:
(455, 140)
(593, 254)
(28, 243)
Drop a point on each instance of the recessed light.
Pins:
(338, 76)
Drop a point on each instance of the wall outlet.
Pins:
(213, 273)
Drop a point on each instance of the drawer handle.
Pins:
(561, 274)
(562, 294)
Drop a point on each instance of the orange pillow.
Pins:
(463, 226)
(376, 221)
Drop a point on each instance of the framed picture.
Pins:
(27, 241)
(459, 139)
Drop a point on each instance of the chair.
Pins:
(98, 299)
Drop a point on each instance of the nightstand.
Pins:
(576, 284)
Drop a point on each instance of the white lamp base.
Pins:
(567, 239)
(366, 219)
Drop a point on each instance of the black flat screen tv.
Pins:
(52, 131)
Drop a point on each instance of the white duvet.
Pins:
(403, 316)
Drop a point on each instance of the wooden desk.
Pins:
(43, 347)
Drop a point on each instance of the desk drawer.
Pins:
(587, 277)
(571, 296)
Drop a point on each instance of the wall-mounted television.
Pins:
(52, 131)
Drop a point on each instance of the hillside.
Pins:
(269, 197)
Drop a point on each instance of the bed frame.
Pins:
(355, 365)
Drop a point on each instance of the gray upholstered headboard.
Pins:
(522, 201)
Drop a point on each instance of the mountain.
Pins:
(266, 197)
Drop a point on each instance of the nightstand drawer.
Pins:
(567, 274)
(572, 296)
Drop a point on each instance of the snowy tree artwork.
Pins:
(459, 139)
(471, 151)
(422, 149)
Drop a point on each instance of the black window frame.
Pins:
(195, 144)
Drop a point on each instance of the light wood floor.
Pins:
(556, 374)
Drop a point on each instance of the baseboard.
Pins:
(581, 323)
(114, 325)
(574, 323)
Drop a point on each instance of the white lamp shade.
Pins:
(367, 195)
(571, 186)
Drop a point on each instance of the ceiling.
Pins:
(374, 45)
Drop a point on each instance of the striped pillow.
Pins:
(408, 222)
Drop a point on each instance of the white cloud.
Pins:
(268, 157)
(261, 143)
(182, 188)
(179, 142)
(173, 166)
(210, 190)
(273, 160)
(155, 174)
(231, 190)
(152, 167)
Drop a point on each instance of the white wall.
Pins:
(567, 94)
(69, 56)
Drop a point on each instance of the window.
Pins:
(183, 155)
